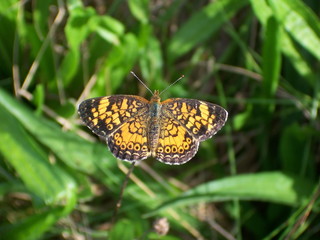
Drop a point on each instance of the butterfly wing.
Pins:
(129, 142)
(201, 119)
(185, 123)
(175, 144)
(121, 120)
(104, 115)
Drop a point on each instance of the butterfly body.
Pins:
(153, 123)
(135, 128)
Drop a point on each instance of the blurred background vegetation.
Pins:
(258, 178)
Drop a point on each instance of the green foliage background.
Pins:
(258, 178)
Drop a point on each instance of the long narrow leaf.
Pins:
(202, 25)
(49, 182)
(274, 187)
(300, 23)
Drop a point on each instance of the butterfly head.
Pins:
(156, 96)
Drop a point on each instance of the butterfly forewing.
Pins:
(201, 119)
(104, 115)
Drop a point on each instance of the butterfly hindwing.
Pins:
(175, 144)
(129, 142)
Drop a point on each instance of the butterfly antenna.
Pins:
(171, 84)
(141, 81)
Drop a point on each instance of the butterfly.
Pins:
(135, 128)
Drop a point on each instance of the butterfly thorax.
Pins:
(154, 124)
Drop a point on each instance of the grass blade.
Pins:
(274, 187)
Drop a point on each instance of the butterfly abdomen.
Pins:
(154, 127)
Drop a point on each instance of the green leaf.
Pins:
(292, 145)
(108, 36)
(271, 59)
(47, 181)
(151, 63)
(41, 14)
(8, 20)
(70, 148)
(124, 230)
(140, 10)
(35, 225)
(76, 30)
(301, 23)
(274, 187)
(202, 25)
(108, 28)
(116, 67)
(39, 97)
(264, 12)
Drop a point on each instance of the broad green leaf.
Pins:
(124, 229)
(117, 66)
(274, 187)
(300, 23)
(88, 157)
(108, 28)
(107, 35)
(140, 10)
(202, 25)
(47, 181)
(81, 23)
(263, 12)
(76, 30)
(112, 24)
(296, 58)
(151, 64)
(70, 148)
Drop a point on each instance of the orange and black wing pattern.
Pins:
(120, 119)
(184, 124)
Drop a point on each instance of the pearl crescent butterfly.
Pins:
(135, 128)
